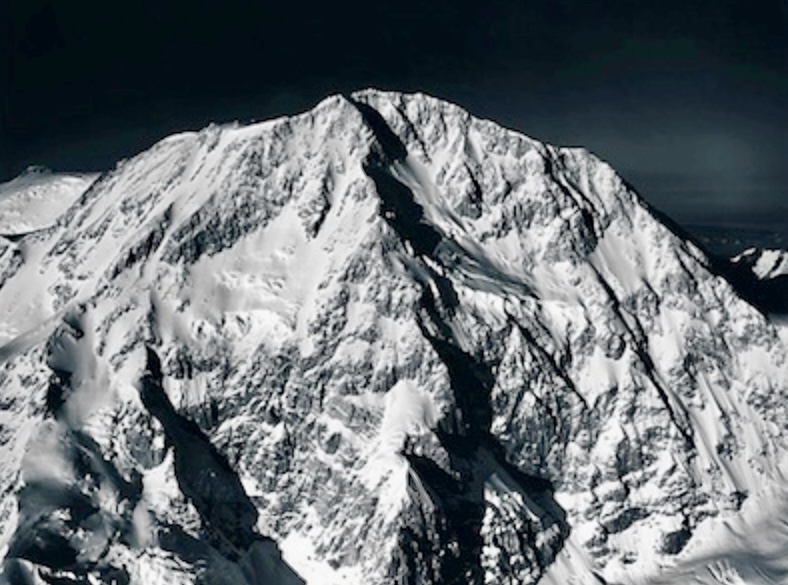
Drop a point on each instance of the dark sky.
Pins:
(688, 99)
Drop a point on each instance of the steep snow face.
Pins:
(35, 199)
(403, 343)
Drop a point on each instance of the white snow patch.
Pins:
(159, 485)
(408, 410)
(772, 263)
(768, 263)
(619, 270)
(299, 552)
(35, 200)
(747, 548)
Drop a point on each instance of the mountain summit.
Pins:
(379, 342)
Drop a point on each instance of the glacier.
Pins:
(382, 341)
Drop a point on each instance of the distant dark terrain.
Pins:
(731, 240)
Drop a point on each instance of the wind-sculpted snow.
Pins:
(379, 342)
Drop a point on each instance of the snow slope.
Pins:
(35, 199)
(387, 342)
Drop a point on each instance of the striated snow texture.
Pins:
(379, 342)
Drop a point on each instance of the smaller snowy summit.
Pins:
(35, 199)
(765, 264)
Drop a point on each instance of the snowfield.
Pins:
(37, 198)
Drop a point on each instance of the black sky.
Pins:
(688, 99)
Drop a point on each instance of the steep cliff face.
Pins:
(379, 342)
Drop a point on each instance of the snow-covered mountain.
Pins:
(381, 342)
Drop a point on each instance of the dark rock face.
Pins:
(208, 482)
(204, 475)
